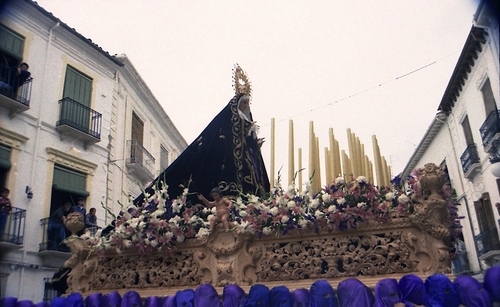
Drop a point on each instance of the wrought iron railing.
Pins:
(14, 85)
(469, 157)
(80, 117)
(487, 241)
(490, 128)
(139, 155)
(14, 228)
(48, 292)
(51, 241)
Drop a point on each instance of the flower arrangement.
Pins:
(159, 223)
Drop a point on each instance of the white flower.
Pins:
(133, 222)
(174, 220)
(253, 199)
(360, 205)
(176, 207)
(318, 214)
(274, 211)
(339, 180)
(180, 239)
(267, 230)
(127, 243)
(314, 203)
(302, 222)
(389, 196)
(332, 208)
(214, 210)
(291, 204)
(341, 200)
(403, 199)
(169, 235)
(157, 213)
(325, 197)
(202, 232)
(284, 219)
(362, 179)
(153, 243)
(193, 219)
(243, 213)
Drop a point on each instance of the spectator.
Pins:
(91, 221)
(5, 208)
(57, 230)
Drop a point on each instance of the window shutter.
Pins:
(11, 43)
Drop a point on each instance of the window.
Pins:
(486, 221)
(77, 86)
(488, 98)
(67, 186)
(75, 109)
(467, 131)
(11, 46)
(5, 164)
(163, 157)
(11, 54)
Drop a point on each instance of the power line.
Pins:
(369, 89)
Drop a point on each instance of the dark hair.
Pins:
(5, 190)
(215, 190)
(67, 204)
(23, 63)
(82, 198)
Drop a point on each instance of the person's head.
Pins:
(81, 201)
(5, 192)
(24, 66)
(244, 103)
(67, 206)
(92, 211)
(215, 193)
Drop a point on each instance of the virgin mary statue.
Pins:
(226, 155)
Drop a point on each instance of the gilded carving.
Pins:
(414, 244)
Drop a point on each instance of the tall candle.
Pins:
(291, 153)
(273, 150)
(299, 157)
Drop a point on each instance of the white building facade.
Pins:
(464, 139)
(83, 125)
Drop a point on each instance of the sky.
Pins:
(377, 67)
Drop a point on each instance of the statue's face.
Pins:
(244, 104)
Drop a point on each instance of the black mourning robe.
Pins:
(225, 155)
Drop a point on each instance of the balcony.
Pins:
(13, 235)
(52, 249)
(141, 163)
(488, 246)
(490, 131)
(470, 161)
(79, 121)
(15, 93)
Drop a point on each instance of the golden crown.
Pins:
(241, 84)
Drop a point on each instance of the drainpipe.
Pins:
(37, 138)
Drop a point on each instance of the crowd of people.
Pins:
(57, 232)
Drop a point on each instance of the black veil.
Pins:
(225, 155)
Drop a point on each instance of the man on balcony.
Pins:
(5, 208)
(57, 230)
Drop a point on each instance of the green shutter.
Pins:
(69, 181)
(5, 157)
(11, 43)
(77, 86)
